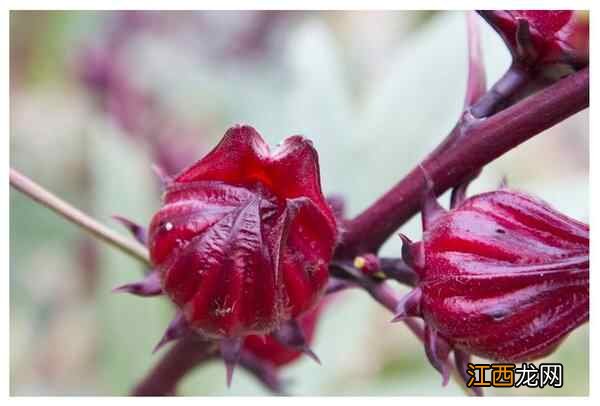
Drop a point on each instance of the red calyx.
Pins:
(245, 236)
(502, 275)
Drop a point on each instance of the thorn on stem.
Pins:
(431, 209)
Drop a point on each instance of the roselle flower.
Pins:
(242, 243)
(538, 37)
(502, 275)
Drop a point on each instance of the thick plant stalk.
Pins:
(64, 209)
(389, 298)
(185, 354)
(478, 142)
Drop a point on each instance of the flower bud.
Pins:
(245, 236)
(368, 264)
(538, 37)
(502, 275)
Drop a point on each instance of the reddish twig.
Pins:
(185, 354)
(37, 193)
(379, 290)
(398, 270)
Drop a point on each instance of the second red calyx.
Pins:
(502, 275)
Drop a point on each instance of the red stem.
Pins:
(380, 291)
(185, 354)
(388, 298)
(477, 143)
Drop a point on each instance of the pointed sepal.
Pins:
(413, 254)
(149, 286)
(437, 351)
(177, 329)
(306, 350)
(409, 306)
(139, 232)
(461, 361)
(525, 51)
(264, 371)
(230, 352)
(290, 334)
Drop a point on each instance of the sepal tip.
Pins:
(230, 352)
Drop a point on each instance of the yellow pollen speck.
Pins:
(359, 262)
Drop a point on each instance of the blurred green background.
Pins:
(97, 97)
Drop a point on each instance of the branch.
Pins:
(185, 354)
(266, 373)
(378, 290)
(192, 351)
(64, 209)
(398, 270)
(471, 145)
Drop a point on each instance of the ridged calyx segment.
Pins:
(502, 275)
(245, 236)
